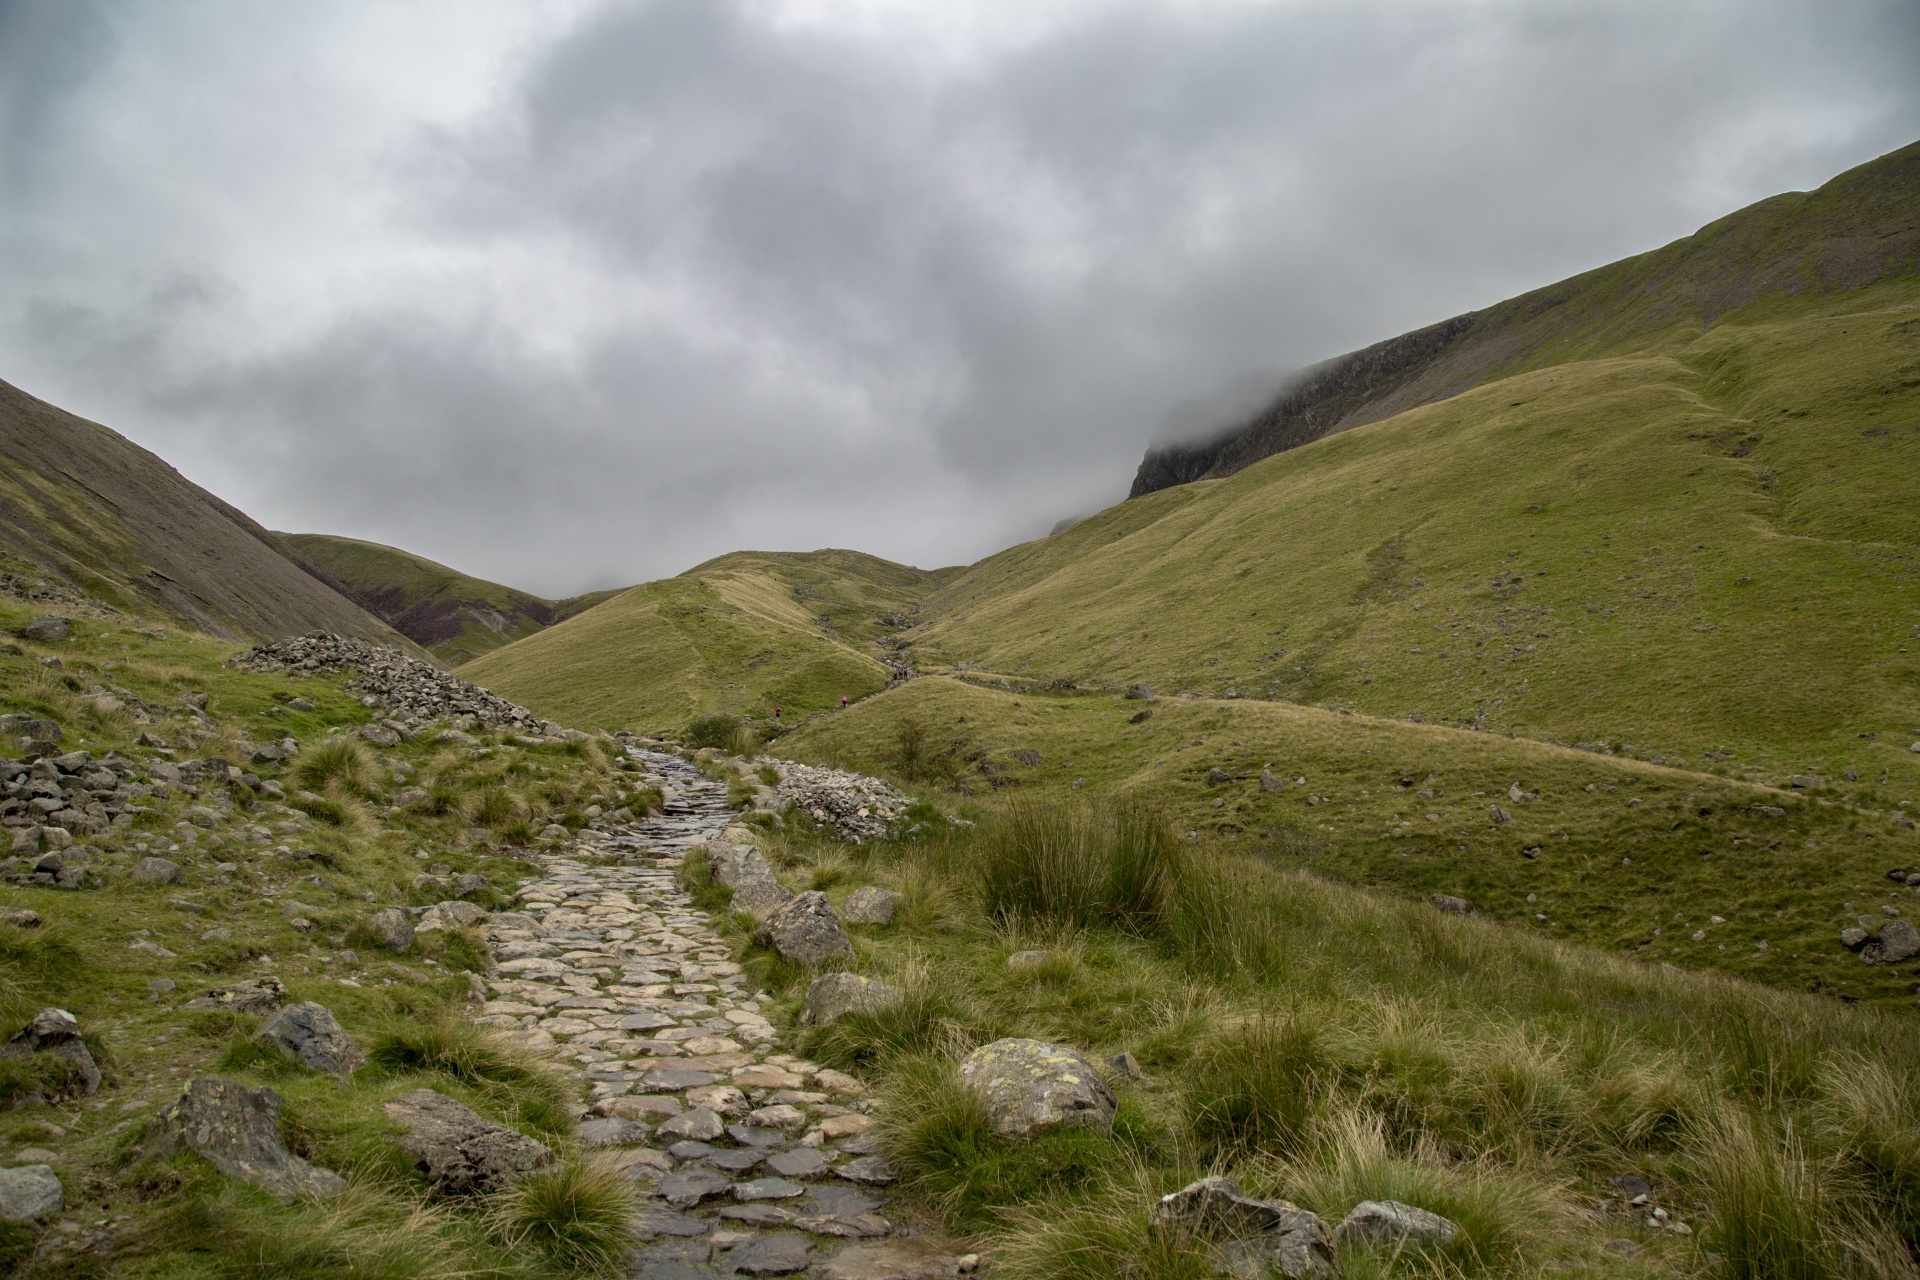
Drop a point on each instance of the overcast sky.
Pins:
(575, 293)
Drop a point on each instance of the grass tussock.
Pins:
(336, 761)
(526, 1087)
(1117, 864)
(574, 1216)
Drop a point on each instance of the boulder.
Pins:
(806, 931)
(1030, 1087)
(157, 871)
(466, 886)
(1898, 941)
(48, 628)
(1389, 1221)
(1268, 782)
(310, 1033)
(28, 1192)
(1218, 777)
(870, 905)
(256, 996)
(697, 1125)
(834, 995)
(1250, 1238)
(743, 869)
(56, 1032)
(450, 915)
(237, 1131)
(379, 735)
(1140, 692)
(1451, 905)
(459, 1151)
(390, 928)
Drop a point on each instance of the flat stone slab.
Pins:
(685, 1188)
(800, 1162)
(768, 1189)
(871, 1170)
(775, 1255)
(912, 1258)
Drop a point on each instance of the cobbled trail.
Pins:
(758, 1162)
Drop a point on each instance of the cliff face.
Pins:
(1856, 230)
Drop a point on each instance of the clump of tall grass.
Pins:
(493, 807)
(523, 1084)
(340, 760)
(719, 732)
(575, 1216)
(1259, 1086)
(1114, 864)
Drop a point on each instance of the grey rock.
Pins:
(1030, 1087)
(612, 1132)
(1140, 692)
(685, 1188)
(310, 1033)
(1500, 816)
(1251, 1238)
(744, 870)
(379, 735)
(832, 996)
(806, 931)
(254, 995)
(1218, 777)
(1898, 941)
(871, 1171)
(736, 1161)
(870, 905)
(1126, 1066)
(1376, 1221)
(467, 885)
(1854, 939)
(28, 1192)
(390, 927)
(697, 1125)
(1024, 961)
(645, 1020)
(48, 628)
(71, 877)
(748, 1135)
(44, 732)
(761, 1215)
(157, 871)
(775, 1255)
(56, 1032)
(237, 1131)
(459, 1151)
(1268, 782)
(655, 1223)
(1450, 904)
(450, 915)
(911, 1258)
(768, 1189)
(800, 1162)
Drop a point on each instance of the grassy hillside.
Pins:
(453, 616)
(1860, 228)
(86, 512)
(1620, 854)
(1330, 1045)
(745, 633)
(1708, 551)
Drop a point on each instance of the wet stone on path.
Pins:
(751, 1161)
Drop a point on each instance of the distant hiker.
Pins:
(843, 702)
(776, 713)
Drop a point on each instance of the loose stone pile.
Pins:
(757, 1161)
(392, 679)
(858, 808)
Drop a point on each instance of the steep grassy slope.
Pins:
(744, 633)
(452, 615)
(1859, 228)
(1713, 548)
(95, 510)
(1670, 865)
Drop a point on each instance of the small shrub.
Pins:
(493, 807)
(575, 1215)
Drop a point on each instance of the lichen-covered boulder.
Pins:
(459, 1151)
(390, 927)
(450, 915)
(56, 1032)
(743, 869)
(1030, 1087)
(1253, 1239)
(237, 1131)
(834, 995)
(870, 905)
(30, 1191)
(806, 931)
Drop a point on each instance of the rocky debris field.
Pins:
(856, 807)
(392, 679)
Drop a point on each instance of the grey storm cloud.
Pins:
(574, 294)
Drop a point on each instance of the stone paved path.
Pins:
(758, 1162)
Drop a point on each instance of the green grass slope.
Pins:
(454, 616)
(1705, 552)
(744, 633)
(1669, 865)
(85, 510)
(1860, 228)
